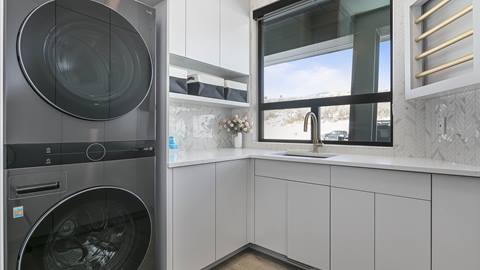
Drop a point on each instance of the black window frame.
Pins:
(315, 104)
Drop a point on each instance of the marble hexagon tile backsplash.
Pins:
(452, 128)
(196, 127)
(443, 128)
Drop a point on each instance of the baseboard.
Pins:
(228, 257)
(280, 257)
(263, 251)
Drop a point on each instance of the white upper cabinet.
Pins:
(203, 31)
(215, 32)
(177, 26)
(235, 35)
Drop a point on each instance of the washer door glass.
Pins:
(107, 229)
(84, 59)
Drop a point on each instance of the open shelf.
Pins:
(191, 64)
(207, 101)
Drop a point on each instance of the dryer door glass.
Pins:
(85, 59)
(99, 229)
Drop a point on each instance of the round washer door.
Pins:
(84, 59)
(97, 229)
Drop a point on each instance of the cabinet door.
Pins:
(308, 224)
(231, 206)
(203, 31)
(235, 35)
(456, 223)
(177, 26)
(353, 230)
(402, 233)
(193, 217)
(270, 214)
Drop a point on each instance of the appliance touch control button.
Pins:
(96, 152)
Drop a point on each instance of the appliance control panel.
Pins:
(36, 155)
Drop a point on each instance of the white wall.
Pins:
(414, 122)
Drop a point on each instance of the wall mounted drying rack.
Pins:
(440, 53)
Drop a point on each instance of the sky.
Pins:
(323, 75)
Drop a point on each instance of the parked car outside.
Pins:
(336, 135)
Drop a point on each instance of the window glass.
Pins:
(331, 57)
(338, 125)
(384, 64)
(285, 124)
(306, 76)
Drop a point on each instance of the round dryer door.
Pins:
(84, 59)
(97, 229)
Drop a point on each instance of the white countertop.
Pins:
(188, 158)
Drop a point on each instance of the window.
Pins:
(330, 57)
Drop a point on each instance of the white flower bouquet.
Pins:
(237, 125)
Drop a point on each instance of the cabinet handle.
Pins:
(37, 188)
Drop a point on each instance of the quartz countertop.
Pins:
(189, 158)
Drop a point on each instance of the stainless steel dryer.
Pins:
(80, 132)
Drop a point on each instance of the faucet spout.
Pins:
(315, 138)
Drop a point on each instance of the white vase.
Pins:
(238, 140)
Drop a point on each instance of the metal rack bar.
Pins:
(444, 45)
(453, 63)
(445, 23)
(427, 14)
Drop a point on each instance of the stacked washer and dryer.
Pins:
(80, 133)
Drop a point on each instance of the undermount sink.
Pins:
(307, 154)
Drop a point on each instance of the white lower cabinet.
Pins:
(402, 233)
(308, 224)
(351, 225)
(193, 217)
(271, 214)
(455, 223)
(353, 230)
(231, 206)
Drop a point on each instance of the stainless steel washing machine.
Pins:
(82, 216)
(80, 135)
